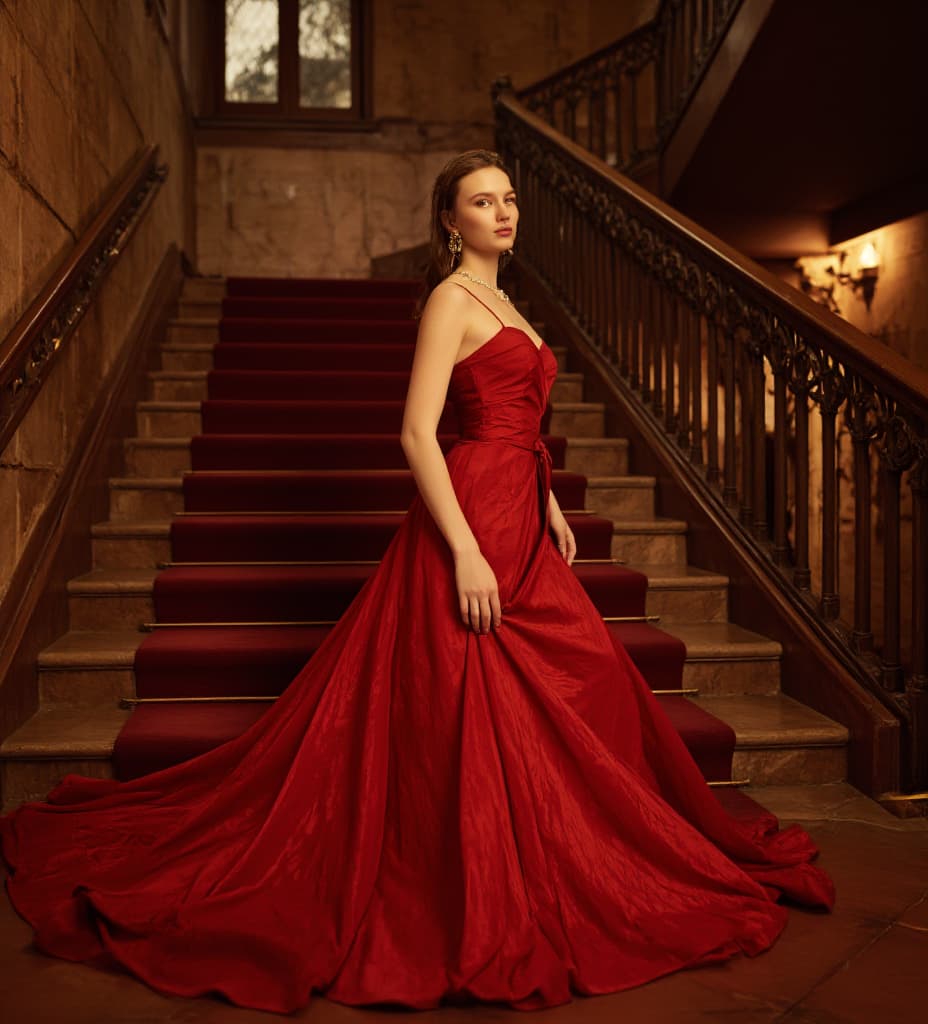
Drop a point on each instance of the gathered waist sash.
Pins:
(543, 466)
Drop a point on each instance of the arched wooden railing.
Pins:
(749, 383)
(28, 351)
(623, 101)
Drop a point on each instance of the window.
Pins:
(290, 60)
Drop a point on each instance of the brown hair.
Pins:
(444, 193)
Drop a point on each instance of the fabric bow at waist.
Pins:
(543, 465)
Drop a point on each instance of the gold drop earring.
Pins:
(454, 244)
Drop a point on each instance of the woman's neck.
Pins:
(484, 267)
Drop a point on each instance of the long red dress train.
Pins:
(425, 814)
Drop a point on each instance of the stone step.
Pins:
(780, 741)
(85, 668)
(186, 357)
(88, 668)
(203, 289)
(199, 356)
(199, 309)
(168, 419)
(136, 543)
(182, 419)
(597, 456)
(156, 456)
(193, 331)
(169, 456)
(621, 497)
(652, 542)
(177, 385)
(723, 658)
(53, 743)
(105, 599)
(145, 498)
(685, 594)
(190, 386)
(154, 497)
(120, 597)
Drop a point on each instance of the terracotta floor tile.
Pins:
(885, 983)
(881, 873)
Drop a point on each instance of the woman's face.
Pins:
(485, 211)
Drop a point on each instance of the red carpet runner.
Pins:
(298, 484)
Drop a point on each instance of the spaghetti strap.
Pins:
(482, 303)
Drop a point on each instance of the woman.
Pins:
(468, 792)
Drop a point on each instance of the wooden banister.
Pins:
(27, 352)
(754, 391)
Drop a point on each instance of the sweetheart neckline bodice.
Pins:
(489, 341)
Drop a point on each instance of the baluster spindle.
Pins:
(759, 440)
(712, 399)
(696, 333)
(647, 336)
(780, 432)
(862, 430)
(730, 490)
(683, 381)
(890, 661)
(746, 380)
(801, 385)
(671, 339)
(917, 686)
(829, 519)
(660, 323)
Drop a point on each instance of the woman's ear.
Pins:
(446, 221)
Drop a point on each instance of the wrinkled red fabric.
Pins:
(425, 814)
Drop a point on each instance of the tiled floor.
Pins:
(866, 963)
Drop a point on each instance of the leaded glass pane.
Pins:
(252, 43)
(325, 53)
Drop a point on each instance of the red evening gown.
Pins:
(425, 814)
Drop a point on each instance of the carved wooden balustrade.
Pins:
(753, 387)
(623, 101)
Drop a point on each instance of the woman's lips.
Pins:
(504, 231)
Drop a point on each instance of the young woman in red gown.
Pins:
(467, 793)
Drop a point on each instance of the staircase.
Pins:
(240, 531)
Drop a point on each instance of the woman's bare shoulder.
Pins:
(447, 299)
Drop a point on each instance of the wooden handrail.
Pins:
(903, 379)
(28, 351)
(727, 364)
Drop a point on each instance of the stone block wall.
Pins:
(335, 201)
(83, 84)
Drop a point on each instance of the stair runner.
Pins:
(297, 486)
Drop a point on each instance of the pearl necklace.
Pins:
(498, 292)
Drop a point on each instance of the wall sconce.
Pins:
(865, 280)
(863, 283)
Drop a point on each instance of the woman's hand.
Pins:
(478, 593)
(563, 534)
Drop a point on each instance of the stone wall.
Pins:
(342, 199)
(84, 83)
(898, 314)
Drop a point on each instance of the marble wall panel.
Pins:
(46, 151)
(85, 83)
(332, 206)
(9, 86)
(10, 266)
(309, 212)
(43, 242)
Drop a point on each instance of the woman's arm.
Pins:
(439, 338)
(441, 330)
